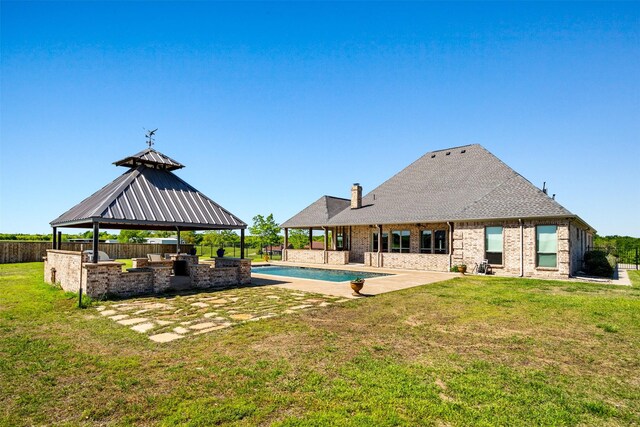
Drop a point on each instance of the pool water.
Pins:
(314, 273)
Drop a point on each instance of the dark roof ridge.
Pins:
(453, 148)
(422, 157)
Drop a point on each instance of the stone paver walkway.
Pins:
(168, 318)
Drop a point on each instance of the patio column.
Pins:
(241, 243)
(286, 238)
(178, 242)
(310, 238)
(334, 238)
(96, 233)
(54, 239)
(326, 238)
(59, 240)
(379, 245)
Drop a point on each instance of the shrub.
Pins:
(598, 263)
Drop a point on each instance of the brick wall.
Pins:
(106, 279)
(337, 257)
(360, 241)
(63, 267)
(305, 256)
(468, 247)
(433, 262)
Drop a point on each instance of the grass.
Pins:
(468, 351)
(634, 275)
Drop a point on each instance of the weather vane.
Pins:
(149, 136)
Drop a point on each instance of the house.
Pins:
(453, 206)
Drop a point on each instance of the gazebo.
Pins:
(148, 196)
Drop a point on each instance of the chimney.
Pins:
(356, 196)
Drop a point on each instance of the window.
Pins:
(342, 238)
(385, 242)
(426, 241)
(547, 246)
(493, 244)
(440, 243)
(433, 241)
(400, 241)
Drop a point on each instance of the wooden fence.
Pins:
(27, 251)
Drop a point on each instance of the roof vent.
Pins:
(433, 155)
(448, 152)
(463, 151)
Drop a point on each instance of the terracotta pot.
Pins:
(357, 287)
(462, 269)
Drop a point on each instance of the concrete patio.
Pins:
(398, 279)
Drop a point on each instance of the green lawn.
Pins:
(469, 351)
(634, 275)
(231, 252)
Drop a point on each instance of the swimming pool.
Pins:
(314, 273)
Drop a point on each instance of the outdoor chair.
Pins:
(482, 268)
(154, 257)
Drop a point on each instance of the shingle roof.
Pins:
(146, 197)
(152, 158)
(461, 183)
(318, 213)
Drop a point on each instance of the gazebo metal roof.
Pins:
(151, 158)
(149, 196)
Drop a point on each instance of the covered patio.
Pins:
(336, 242)
(148, 196)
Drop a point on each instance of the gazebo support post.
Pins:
(59, 240)
(96, 235)
(311, 239)
(55, 239)
(241, 243)
(178, 242)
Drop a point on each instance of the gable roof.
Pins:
(151, 198)
(460, 183)
(319, 213)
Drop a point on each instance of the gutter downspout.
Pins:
(450, 244)
(521, 247)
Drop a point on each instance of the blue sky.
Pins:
(271, 105)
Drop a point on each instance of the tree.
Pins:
(298, 238)
(229, 237)
(132, 236)
(266, 230)
(213, 238)
(191, 237)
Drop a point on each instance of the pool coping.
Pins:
(398, 279)
(289, 265)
